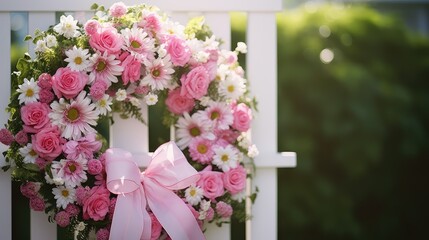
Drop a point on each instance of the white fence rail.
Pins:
(261, 72)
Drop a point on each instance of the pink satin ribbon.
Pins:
(168, 171)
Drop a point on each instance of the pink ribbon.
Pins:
(168, 171)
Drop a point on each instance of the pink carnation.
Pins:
(84, 147)
(224, 209)
(41, 163)
(98, 89)
(47, 143)
(35, 116)
(195, 83)
(96, 206)
(91, 27)
(30, 189)
(37, 203)
(45, 81)
(118, 9)
(178, 104)
(156, 227)
(151, 24)
(21, 137)
(68, 83)
(234, 180)
(141, 90)
(209, 214)
(103, 234)
(82, 194)
(106, 40)
(94, 167)
(62, 218)
(178, 50)
(46, 96)
(211, 182)
(6, 136)
(73, 210)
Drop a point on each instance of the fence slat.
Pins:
(5, 183)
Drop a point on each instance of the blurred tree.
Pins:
(353, 103)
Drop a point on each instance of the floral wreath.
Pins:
(123, 55)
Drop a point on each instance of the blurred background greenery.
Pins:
(354, 104)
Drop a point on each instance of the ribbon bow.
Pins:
(168, 170)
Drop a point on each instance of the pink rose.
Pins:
(96, 206)
(47, 143)
(195, 83)
(118, 9)
(178, 50)
(178, 104)
(6, 137)
(151, 24)
(224, 209)
(106, 40)
(156, 227)
(94, 167)
(35, 116)
(242, 117)
(234, 180)
(68, 83)
(132, 69)
(211, 182)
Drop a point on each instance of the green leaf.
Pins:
(94, 6)
(28, 37)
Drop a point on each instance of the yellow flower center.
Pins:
(201, 148)
(65, 193)
(102, 103)
(78, 60)
(135, 44)
(32, 153)
(101, 66)
(224, 158)
(195, 131)
(231, 88)
(214, 115)
(72, 168)
(156, 72)
(29, 92)
(72, 114)
(192, 192)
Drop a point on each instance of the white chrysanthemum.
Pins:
(67, 27)
(80, 227)
(193, 195)
(225, 158)
(151, 99)
(158, 73)
(28, 153)
(241, 47)
(103, 105)
(29, 91)
(202, 57)
(135, 101)
(204, 207)
(239, 197)
(51, 41)
(211, 43)
(74, 119)
(252, 151)
(232, 87)
(77, 59)
(64, 196)
(73, 172)
(174, 28)
(121, 95)
(138, 43)
(244, 140)
(189, 128)
(41, 46)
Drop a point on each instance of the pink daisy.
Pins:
(74, 119)
(73, 172)
(218, 113)
(200, 150)
(189, 128)
(104, 67)
(138, 43)
(158, 73)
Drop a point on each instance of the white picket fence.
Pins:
(261, 72)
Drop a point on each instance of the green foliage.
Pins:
(358, 125)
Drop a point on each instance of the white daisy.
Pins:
(28, 153)
(77, 59)
(121, 95)
(64, 196)
(74, 119)
(41, 46)
(151, 99)
(138, 43)
(51, 41)
(194, 194)
(103, 105)
(241, 47)
(29, 91)
(232, 87)
(225, 158)
(158, 73)
(67, 27)
(189, 128)
(73, 172)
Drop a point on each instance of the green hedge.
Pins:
(359, 124)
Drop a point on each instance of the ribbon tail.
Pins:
(128, 219)
(173, 214)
